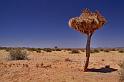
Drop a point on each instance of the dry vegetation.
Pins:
(60, 65)
(17, 54)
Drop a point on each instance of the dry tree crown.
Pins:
(87, 22)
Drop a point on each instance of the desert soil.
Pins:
(61, 66)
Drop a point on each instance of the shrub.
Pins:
(17, 54)
(7, 50)
(101, 49)
(75, 51)
(47, 49)
(91, 51)
(94, 51)
(68, 49)
(82, 50)
(38, 51)
(57, 49)
(113, 49)
(121, 51)
(31, 49)
(106, 50)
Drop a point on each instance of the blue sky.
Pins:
(44, 23)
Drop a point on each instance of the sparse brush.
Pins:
(75, 51)
(18, 54)
(9, 49)
(91, 51)
(68, 49)
(47, 49)
(57, 49)
(82, 50)
(101, 49)
(38, 50)
(31, 49)
(94, 51)
(113, 49)
(106, 50)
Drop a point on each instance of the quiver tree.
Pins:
(87, 23)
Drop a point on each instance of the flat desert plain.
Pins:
(61, 66)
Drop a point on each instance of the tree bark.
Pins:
(87, 52)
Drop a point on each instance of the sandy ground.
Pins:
(53, 67)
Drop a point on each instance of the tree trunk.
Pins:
(87, 52)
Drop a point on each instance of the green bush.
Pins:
(18, 54)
